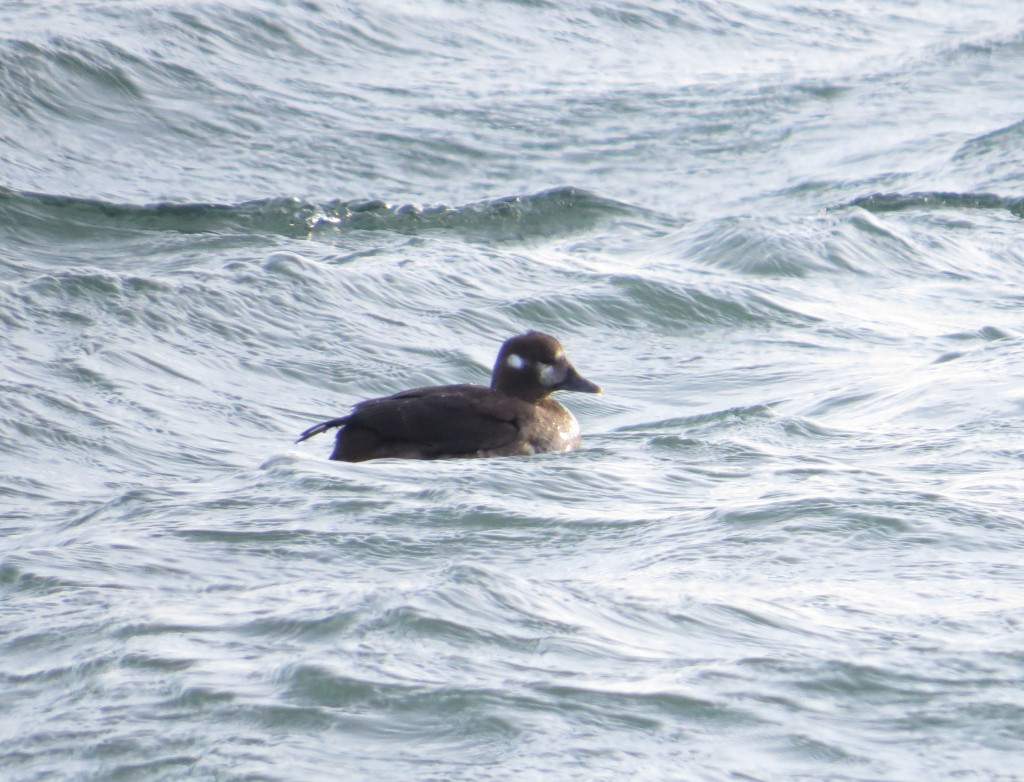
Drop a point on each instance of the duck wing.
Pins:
(441, 419)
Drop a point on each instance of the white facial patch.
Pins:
(548, 373)
(515, 361)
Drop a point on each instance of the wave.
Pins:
(898, 202)
(554, 212)
(661, 305)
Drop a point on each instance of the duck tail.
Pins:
(322, 427)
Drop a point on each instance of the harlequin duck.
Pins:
(515, 416)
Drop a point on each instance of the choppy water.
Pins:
(785, 238)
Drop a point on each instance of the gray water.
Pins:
(785, 239)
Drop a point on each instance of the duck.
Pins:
(514, 416)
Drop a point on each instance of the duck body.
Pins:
(515, 416)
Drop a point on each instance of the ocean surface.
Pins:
(785, 237)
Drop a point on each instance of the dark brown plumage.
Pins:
(515, 416)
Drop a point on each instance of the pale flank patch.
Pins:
(570, 434)
(515, 361)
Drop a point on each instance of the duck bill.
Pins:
(574, 381)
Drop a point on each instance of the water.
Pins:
(785, 239)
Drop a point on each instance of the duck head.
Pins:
(533, 365)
